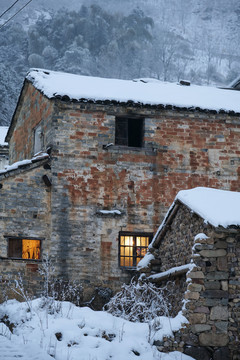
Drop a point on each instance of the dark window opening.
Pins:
(132, 248)
(24, 249)
(129, 132)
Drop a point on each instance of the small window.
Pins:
(132, 248)
(24, 248)
(38, 139)
(129, 131)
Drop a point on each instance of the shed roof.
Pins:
(140, 91)
(216, 207)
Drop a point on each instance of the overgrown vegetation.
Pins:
(141, 301)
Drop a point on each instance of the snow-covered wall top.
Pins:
(3, 133)
(144, 91)
(217, 207)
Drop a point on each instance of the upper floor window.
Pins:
(129, 131)
(132, 248)
(38, 139)
(24, 248)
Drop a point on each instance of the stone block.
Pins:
(197, 318)
(219, 313)
(221, 326)
(192, 295)
(213, 253)
(202, 309)
(215, 294)
(222, 264)
(213, 339)
(198, 353)
(196, 275)
(222, 354)
(221, 244)
(194, 287)
(212, 285)
(217, 275)
(224, 285)
(198, 328)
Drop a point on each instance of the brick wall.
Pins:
(33, 109)
(24, 213)
(182, 149)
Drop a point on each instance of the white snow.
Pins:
(172, 271)
(145, 261)
(18, 164)
(3, 133)
(110, 212)
(85, 334)
(216, 207)
(200, 236)
(152, 92)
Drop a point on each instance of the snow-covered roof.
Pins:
(216, 207)
(141, 91)
(21, 164)
(3, 133)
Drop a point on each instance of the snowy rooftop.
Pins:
(143, 91)
(3, 133)
(217, 207)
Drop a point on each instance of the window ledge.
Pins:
(22, 260)
(127, 149)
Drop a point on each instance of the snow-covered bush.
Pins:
(141, 301)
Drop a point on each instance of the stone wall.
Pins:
(212, 299)
(24, 213)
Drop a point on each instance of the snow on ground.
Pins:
(75, 333)
(142, 91)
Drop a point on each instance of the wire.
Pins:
(8, 9)
(15, 14)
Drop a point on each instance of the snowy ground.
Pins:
(73, 333)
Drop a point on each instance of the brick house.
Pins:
(200, 237)
(111, 156)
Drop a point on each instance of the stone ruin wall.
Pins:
(212, 300)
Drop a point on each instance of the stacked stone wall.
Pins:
(212, 299)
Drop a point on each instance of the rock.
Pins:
(194, 287)
(196, 275)
(222, 354)
(221, 244)
(212, 339)
(215, 294)
(219, 313)
(198, 353)
(198, 328)
(222, 263)
(221, 326)
(212, 285)
(197, 318)
(217, 275)
(213, 253)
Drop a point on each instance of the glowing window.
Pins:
(132, 248)
(24, 248)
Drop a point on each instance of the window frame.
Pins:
(38, 130)
(134, 257)
(127, 122)
(18, 238)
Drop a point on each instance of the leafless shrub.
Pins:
(140, 301)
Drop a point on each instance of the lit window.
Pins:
(129, 131)
(132, 248)
(24, 248)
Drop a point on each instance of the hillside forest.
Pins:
(168, 40)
